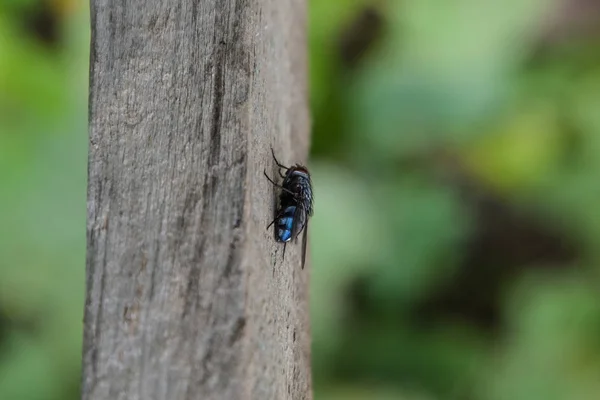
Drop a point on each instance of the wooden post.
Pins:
(187, 293)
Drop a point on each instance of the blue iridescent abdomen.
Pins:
(285, 224)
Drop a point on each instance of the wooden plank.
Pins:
(187, 293)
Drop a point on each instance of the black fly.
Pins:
(295, 204)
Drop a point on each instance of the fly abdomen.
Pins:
(285, 224)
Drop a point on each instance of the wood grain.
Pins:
(187, 293)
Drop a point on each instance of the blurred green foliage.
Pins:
(43, 164)
(455, 242)
(455, 163)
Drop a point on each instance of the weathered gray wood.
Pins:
(187, 293)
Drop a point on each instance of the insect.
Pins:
(295, 204)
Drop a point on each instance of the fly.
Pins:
(295, 204)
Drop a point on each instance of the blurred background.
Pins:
(456, 159)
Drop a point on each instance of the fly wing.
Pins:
(300, 225)
(304, 240)
(299, 222)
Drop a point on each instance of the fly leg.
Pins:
(278, 185)
(278, 163)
